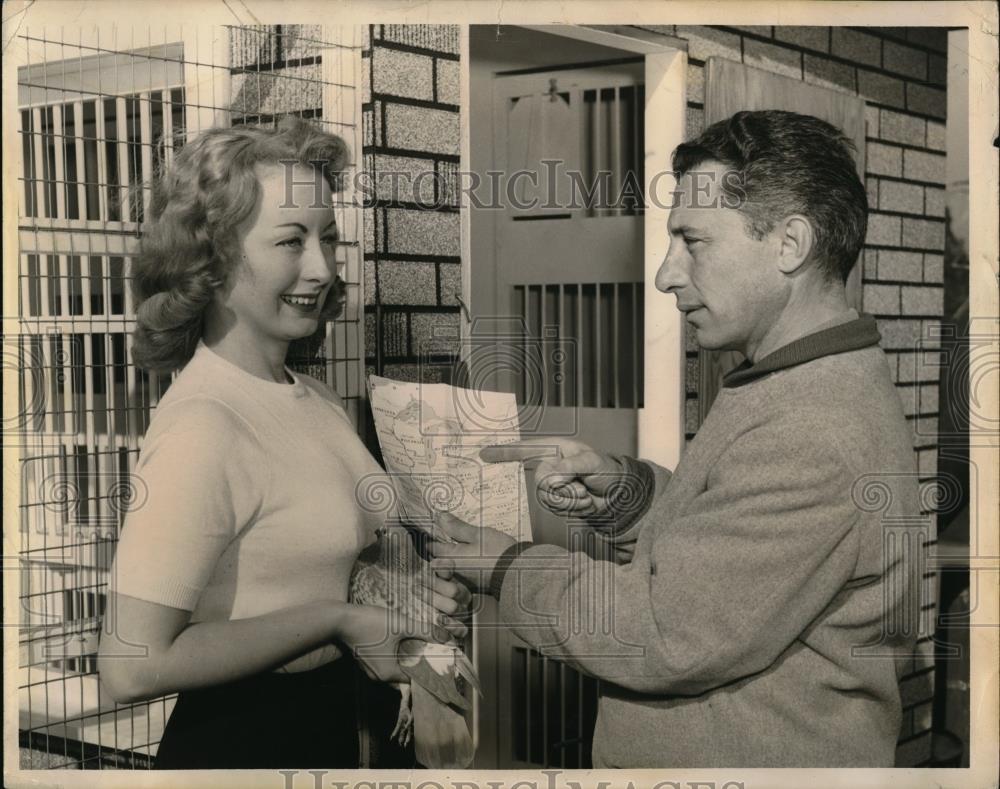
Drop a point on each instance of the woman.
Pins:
(230, 579)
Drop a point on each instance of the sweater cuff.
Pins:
(503, 565)
(629, 498)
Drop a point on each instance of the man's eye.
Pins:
(690, 241)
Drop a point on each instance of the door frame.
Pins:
(661, 419)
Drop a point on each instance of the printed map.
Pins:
(431, 435)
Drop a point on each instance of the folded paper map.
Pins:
(431, 435)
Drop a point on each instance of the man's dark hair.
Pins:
(788, 163)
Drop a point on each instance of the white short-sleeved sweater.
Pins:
(247, 498)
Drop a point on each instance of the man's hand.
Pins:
(572, 478)
(473, 554)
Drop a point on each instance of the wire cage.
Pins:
(100, 114)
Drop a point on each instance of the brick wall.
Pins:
(412, 232)
(900, 73)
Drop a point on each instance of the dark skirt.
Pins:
(268, 721)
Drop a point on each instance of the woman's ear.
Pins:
(797, 239)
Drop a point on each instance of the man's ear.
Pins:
(797, 239)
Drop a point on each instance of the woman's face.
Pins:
(277, 291)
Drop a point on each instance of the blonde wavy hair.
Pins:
(190, 242)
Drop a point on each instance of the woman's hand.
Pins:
(470, 551)
(373, 634)
(448, 596)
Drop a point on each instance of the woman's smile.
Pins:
(300, 302)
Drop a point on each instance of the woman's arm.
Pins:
(148, 649)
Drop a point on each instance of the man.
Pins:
(758, 610)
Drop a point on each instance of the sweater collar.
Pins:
(845, 335)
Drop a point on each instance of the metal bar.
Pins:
(38, 155)
(562, 344)
(145, 107)
(59, 176)
(540, 344)
(598, 337)
(614, 344)
(100, 132)
(637, 153)
(580, 399)
(545, 709)
(168, 129)
(562, 712)
(616, 147)
(81, 165)
(121, 146)
(595, 144)
(579, 717)
(636, 346)
(131, 402)
(109, 456)
(45, 309)
(68, 375)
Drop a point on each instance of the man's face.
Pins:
(727, 283)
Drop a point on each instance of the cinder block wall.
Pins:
(412, 234)
(901, 74)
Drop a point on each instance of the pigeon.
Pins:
(433, 704)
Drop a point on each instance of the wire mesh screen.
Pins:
(100, 114)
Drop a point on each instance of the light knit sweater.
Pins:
(247, 498)
(734, 632)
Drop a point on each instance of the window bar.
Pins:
(540, 347)
(81, 170)
(146, 143)
(48, 372)
(132, 406)
(635, 344)
(579, 717)
(544, 668)
(596, 146)
(329, 355)
(103, 204)
(614, 344)
(580, 400)
(616, 148)
(39, 162)
(58, 136)
(525, 329)
(168, 129)
(66, 370)
(561, 668)
(89, 404)
(121, 146)
(637, 152)
(106, 461)
(598, 337)
(562, 343)
(529, 657)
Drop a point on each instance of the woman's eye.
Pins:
(290, 242)
(331, 240)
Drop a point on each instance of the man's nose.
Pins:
(671, 275)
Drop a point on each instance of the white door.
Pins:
(564, 331)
